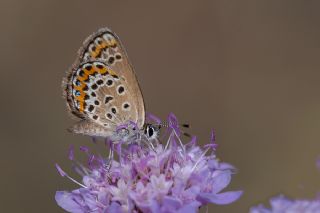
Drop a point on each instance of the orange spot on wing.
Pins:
(103, 70)
(86, 75)
(113, 42)
(83, 78)
(80, 88)
(113, 73)
(89, 72)
(80, 99)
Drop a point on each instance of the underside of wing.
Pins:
(106, 47)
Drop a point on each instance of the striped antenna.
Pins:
(185, 125)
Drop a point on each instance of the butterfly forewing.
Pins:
(105, 46)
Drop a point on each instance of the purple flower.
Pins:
(281, 204)
(170, 177)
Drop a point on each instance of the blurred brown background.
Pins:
(249, 69)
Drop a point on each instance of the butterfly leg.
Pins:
(108, 165)
(148, 143)
(151, 145)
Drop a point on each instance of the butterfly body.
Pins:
(102, 90)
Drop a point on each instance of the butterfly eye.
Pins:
(150, 132)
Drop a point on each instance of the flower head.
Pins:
(281, 204)
(170, 177)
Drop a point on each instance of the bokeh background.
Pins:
(249, 69)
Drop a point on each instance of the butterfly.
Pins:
(102, 90)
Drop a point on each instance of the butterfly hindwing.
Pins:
(99, 95)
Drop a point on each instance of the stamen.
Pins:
(63, 174)
(192, 141)
(213, 143)
(91, 159)
(200, 158)
(168, 141)
(181, 144)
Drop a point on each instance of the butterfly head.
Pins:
(130, 132)
(151, 131)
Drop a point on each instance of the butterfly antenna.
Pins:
(166, 124)
(185, 125)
